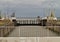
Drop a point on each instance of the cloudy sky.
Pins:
(30, 7)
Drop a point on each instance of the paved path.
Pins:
(32, 31)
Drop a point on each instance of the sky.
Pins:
(30, 8)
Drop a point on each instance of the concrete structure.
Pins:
(30, 39)
(29, 21)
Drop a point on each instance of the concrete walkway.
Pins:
(32, 31)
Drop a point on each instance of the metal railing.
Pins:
(29, 31)
(5, 30)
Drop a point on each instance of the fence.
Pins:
(5, 30)
(54, 28)
(30, 31)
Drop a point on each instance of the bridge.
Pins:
(28, 21)
(32, 27)
(29, 27)
(35, 21)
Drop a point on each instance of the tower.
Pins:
(52, 14)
